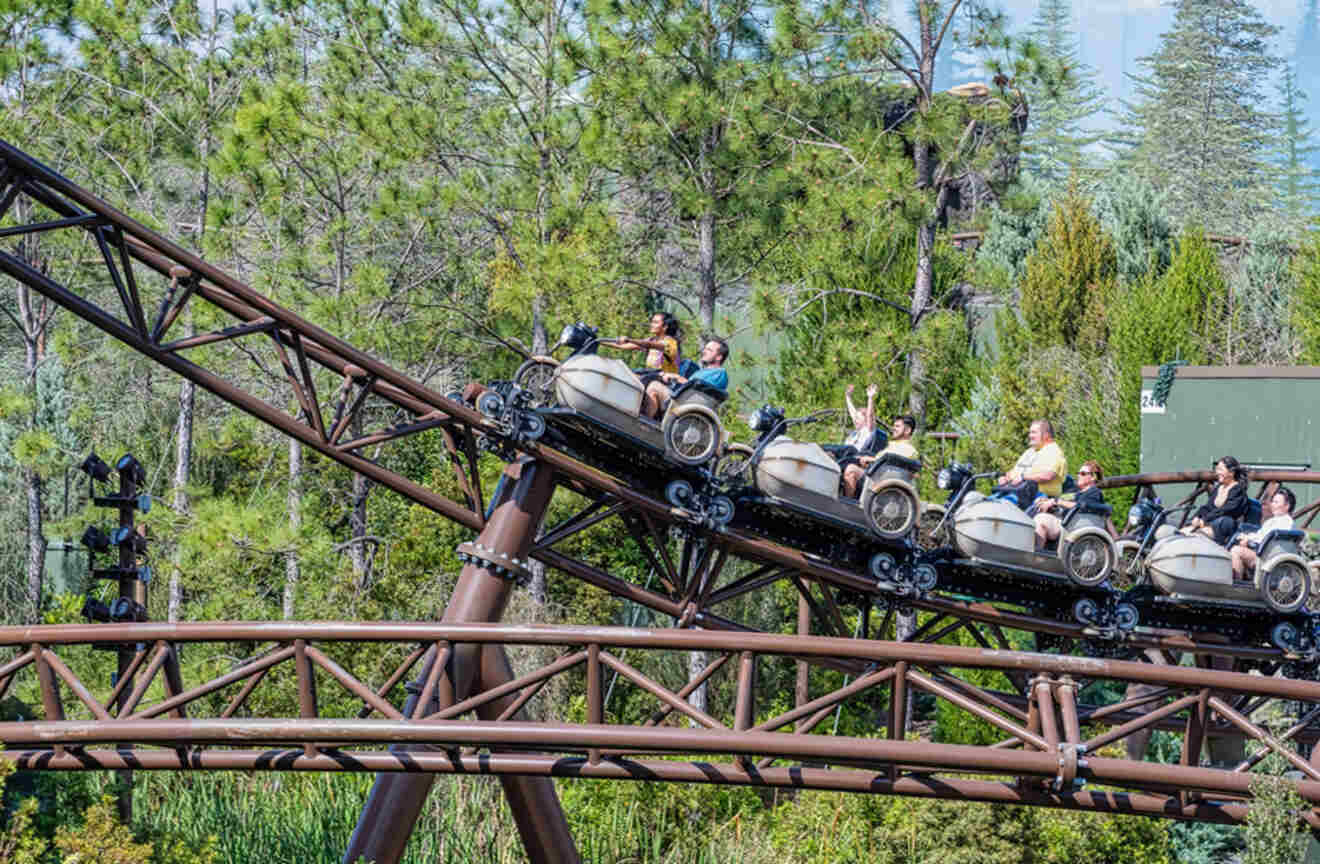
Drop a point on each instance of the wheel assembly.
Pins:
(1286, 586)
(531, 427)
(925, 576)
(720, 511)
(679, 493)
(536, 377)
(891, 509)
(1126, 617)
(490, 404)
(1284, 636)
(1088, 559)
(1086, 611)
(692, 435)
(734, 463)
(882, 566)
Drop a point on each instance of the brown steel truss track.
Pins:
(142, 282)
(345, 722)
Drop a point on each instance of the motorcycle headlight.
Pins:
(566, 334)
(945, 479)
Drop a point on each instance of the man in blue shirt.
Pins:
(713, 355)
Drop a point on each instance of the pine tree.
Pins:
(1198, 128)
(1299, 182)
(1056, 138)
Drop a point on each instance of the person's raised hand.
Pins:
(872, 391)
(848, 391)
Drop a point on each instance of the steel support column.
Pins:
(396, 800)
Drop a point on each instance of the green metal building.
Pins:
(1266, 416)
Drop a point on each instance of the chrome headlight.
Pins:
(945, 479)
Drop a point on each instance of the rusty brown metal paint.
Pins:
(391, 810)
(498, 764)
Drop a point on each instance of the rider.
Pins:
(858, 442)
(1244, 551)
(900, 444)
(713, 357)
(1218, 517)
(1042, 463)
(662, 348)
(1050, 511)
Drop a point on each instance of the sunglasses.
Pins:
(1087, 473)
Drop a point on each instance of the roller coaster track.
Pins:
(137, 292)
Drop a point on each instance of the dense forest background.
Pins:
(446, 183)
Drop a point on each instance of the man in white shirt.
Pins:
(1243, 552)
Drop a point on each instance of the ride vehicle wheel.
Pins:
(679, 493)
(1088, 559)
(537, 378)
(882, 566)
(1284, 636)
(692, 434)
(1126, 617)
(929, 534)
(925, 577)
(735, 464)
(532, 427)
(1128, 569)
(1286, 587)
(720, 511)
(891, 508)
(490, 404)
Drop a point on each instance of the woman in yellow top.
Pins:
(662, 349)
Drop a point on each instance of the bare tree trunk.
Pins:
(696, 665)
(540, 338)
(708, 286)
(291, 562)
(36, 557)
(357, 520)
(183, 430)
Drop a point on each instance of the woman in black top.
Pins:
(1050, 511)
(1218, 517)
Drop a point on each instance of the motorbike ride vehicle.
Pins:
(1185, 581)
(993, 547)
(590, 407)
(789, 491)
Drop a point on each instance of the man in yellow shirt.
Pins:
(1042, 463)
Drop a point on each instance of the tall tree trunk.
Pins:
(36, 557)
(183, 431)
(291, 562)
(540, 338)
(707, 285)
(922, 291)
(357, 519)
(697, 663)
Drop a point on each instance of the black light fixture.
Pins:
(130, 465)
(95, 468)
(122, 609)
(95, 539)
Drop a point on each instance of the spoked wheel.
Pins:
(892, 511)
(1286, 587)
(1128, 571)
(535, 376)
(734, 465)
(679, 493)
(1089, 559)
(931, 517)
(692, 437)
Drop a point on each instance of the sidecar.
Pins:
(996, 533)
(595, 416)
(1195, 569)
(790, 491)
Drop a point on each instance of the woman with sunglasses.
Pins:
(1050, 511)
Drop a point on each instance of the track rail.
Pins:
(145, 282)
(334, 720)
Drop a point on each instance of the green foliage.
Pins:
(1199, 128)
(1305, 311)
(1016, 225)
(1070, 278)
(1274, 832)
(1136, 216)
